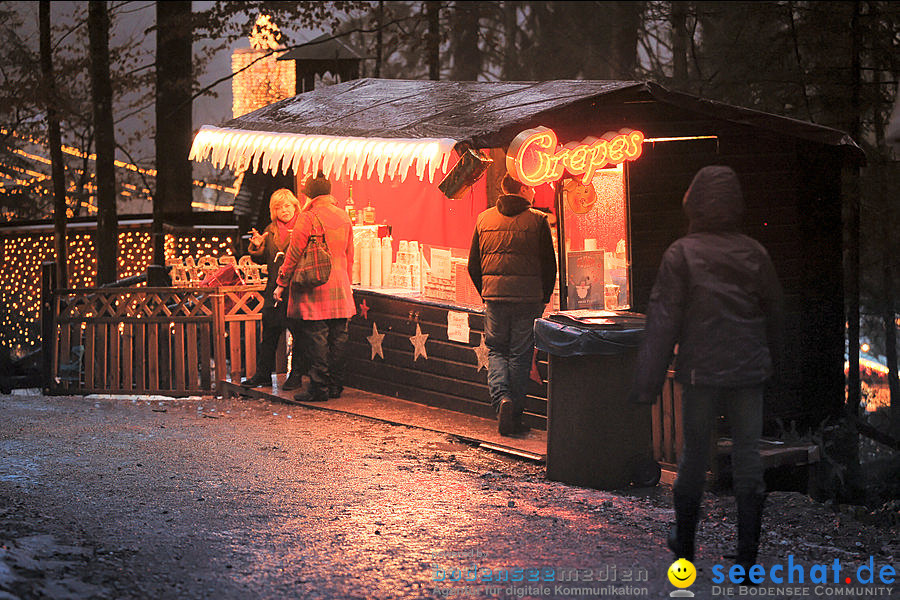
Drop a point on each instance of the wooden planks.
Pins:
(449, 377)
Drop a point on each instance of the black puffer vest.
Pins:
(509, 237)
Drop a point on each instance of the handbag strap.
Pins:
(321, 227)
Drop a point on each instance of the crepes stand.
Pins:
(414, 162)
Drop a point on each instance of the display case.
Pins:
(595, 228)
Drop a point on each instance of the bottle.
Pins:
(368, 215)
(351, 210)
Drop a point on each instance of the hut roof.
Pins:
(479, 111)
(424, 119)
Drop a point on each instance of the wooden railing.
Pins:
(149, 340)
(666, 424)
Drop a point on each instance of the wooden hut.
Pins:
(393, 141)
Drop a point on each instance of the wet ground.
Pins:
(243, 499)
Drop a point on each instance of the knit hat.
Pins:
(317, 186)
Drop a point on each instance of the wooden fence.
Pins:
(149, 340)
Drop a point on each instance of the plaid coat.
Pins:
(334, 298)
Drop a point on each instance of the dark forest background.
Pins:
(830, 63)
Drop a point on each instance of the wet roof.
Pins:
(486, 114)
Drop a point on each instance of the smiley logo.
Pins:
(682, 573)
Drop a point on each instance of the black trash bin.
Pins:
(595, 437)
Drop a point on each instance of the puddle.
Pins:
(15, 468)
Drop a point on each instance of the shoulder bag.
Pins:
(314, 264)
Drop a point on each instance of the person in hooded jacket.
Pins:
(717, 296)
(325, 310)
(513, 267)
(268, 248)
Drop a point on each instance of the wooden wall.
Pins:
(448, 378)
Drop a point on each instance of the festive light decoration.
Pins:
(17, 176)
(24, 253)
(534, 156)
(333, 155)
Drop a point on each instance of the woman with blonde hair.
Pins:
(269, 248)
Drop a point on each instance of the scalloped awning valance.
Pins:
(335, 156)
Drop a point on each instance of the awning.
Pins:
(335, 156)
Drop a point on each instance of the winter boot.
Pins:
(681, 536)
(314, 393)
(294, 381)
(259, 379)
(750, 509)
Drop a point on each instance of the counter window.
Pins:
(595, 229)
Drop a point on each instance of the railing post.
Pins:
(48, 337)
(218, 333)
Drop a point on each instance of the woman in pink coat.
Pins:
(326, 309)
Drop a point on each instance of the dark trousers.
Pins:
(744, 413)
(326, 342)
(274, 324)
(509, 336)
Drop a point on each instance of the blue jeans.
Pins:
(326, 341)
(509, 336)
(744, 413)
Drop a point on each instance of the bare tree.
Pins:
(174, 185)
(58, 175)
(105, 143)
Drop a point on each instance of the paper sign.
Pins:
(457, 326)
(441, 263)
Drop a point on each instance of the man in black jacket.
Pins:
(513, 267)
(717, 296)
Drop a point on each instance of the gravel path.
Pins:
(224, 499)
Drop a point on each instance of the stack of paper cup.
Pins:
(375, 257)
(365, 263)
(357, 248)
(387, 254)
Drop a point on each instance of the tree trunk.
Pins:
(853, 222)
(174, 181)
(678, 20)
(379, 39)
(433, 39)
(464, 31)
(57, 166)
(888, 220)
(510, 70)
(625, 32)
(849, 453)
(105, 142)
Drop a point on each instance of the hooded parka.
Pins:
(716, 295)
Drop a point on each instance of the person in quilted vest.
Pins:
(513, 267)
(268, 248)
(325, 310)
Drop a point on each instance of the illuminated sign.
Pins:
(535, 157)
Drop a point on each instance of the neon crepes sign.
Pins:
(535, 157)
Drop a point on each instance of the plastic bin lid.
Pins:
(564, 335)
